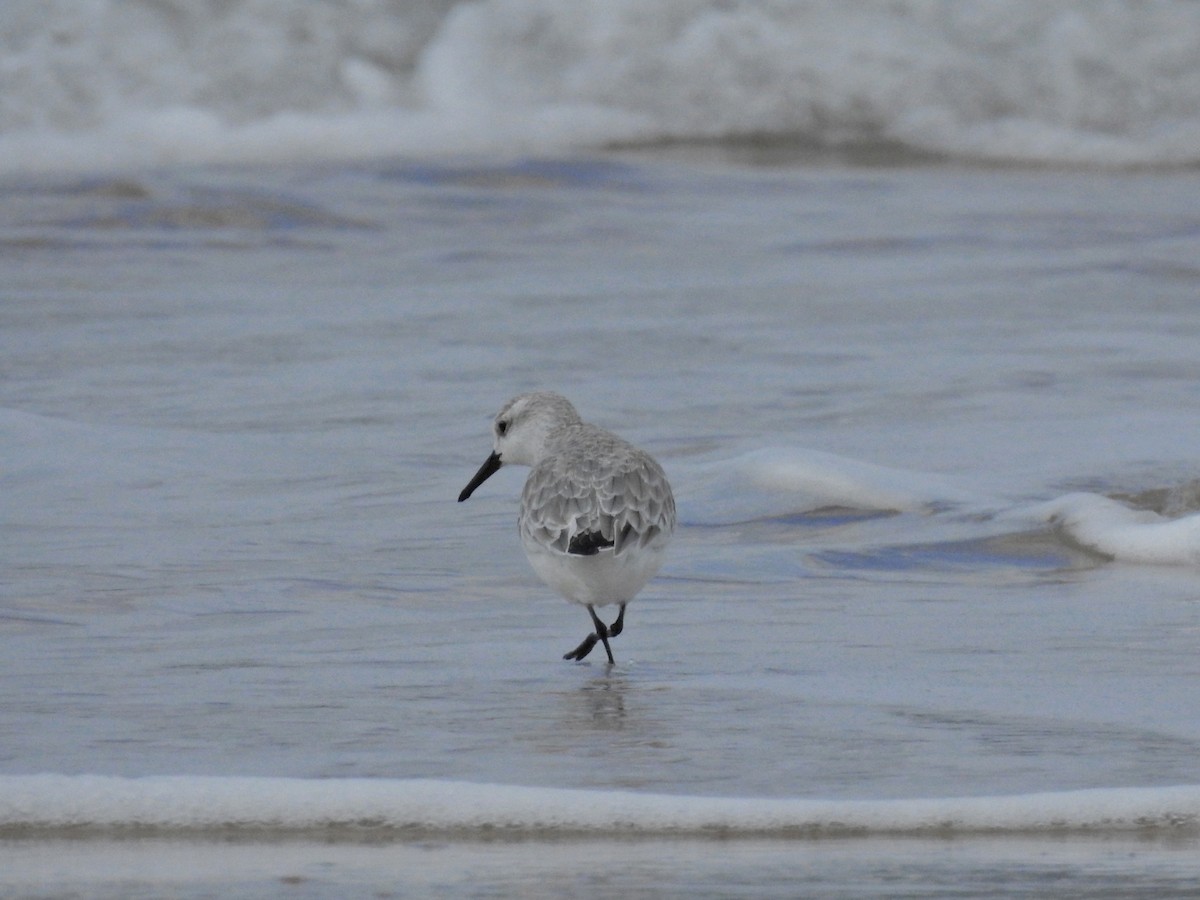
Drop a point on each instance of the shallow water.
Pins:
(834, 868)
(238, 404)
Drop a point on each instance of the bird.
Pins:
(596, 513)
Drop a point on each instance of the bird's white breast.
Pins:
(599, 579)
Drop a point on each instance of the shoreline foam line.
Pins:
(47, 804)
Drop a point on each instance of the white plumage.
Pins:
(596, 512)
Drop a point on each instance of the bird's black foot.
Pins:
(583, 649)
(618, 626)
(602, 634)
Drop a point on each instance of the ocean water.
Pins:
(144, 82)
(928, 625)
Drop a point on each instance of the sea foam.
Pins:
(54, 803)
(1109, 527)
(110, 84)
(778, 481)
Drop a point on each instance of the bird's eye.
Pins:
(502, 427)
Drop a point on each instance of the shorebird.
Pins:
(596, 512)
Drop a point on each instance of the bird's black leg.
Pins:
(601, 634)
(616, 627)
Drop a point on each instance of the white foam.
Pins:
(116, 85)
(776, 481)
(1113, 529)
(180, 803)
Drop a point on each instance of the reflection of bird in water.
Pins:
(606, 703)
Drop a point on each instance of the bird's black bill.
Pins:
(486, 471)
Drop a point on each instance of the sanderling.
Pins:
(596, 512)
